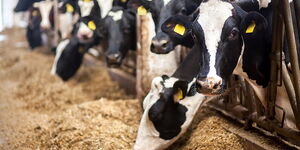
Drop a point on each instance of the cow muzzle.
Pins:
(209, 85)
(161, 45)
(114, 60)
(85, 37)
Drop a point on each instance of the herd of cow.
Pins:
(225, 38)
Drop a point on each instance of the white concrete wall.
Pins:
(7, 16)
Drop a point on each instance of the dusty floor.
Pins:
(39, 111)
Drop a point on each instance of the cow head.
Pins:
(86, 29)
(169, 108)
(46, 10)
(161, 10)
(67, 17)
(89, 7)
(118, 29)
(68, 58)
(226, 37)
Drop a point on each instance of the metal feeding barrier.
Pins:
(243, 105)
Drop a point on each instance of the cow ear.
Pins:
(253, 24)
(180, 90)
(177, 26)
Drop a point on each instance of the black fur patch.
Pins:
(167, 116)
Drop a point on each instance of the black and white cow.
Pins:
(162, 10)
(47, 24)
(33, 31)
(170, 106)
(118, 32)
(233, 41)
(70, 52)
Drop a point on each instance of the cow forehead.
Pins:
(116, 15)
(212, 17)
(83, 27)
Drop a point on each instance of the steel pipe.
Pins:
(297, 12)
(276, 42)
(292, 49)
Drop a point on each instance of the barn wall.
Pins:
(7, 16)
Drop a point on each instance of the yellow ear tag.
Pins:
(142, 11)
(180, 29)
(251, 27)
(92, 25)
(123, 1)
(34, 13)
(179, 95)
(70, 8)
(86, 1)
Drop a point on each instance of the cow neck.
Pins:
(188, 69)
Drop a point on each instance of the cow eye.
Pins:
(233, 34)
(182, 11)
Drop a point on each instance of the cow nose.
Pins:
(114, 58)
(208, 85)
(159, 46)
(44, 28)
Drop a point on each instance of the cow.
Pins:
(170, 106)
(47, 24)
(33, 31)
(70, 52)
(118, 31)
(68, 16)
(233, 41)
(161, 10)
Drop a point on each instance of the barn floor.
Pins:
(39, 111)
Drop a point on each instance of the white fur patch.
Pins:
(85, 7)
(105, 6)
(116, 15)
(166, 2)
(59, 50)
(93, 52)
(263, 3)
(213, 15)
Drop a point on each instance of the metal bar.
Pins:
(290, 92)
(297, 11)
(272, 89)
(292, 49)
